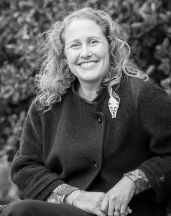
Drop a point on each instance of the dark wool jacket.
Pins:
(78, 143)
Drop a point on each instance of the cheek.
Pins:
(106, 57)
(103, 52)
(71, 57)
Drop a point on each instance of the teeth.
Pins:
(85, 65)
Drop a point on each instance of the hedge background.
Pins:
(147, 22)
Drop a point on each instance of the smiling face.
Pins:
(87, 51)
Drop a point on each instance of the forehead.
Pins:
(81, 28)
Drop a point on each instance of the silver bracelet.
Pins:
(58, 195)
(75, 197)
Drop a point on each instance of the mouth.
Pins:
(87, 65)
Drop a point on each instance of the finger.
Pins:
(104, 205)
(116, 213)
(111, 208)
(100, 213)
(123, 209)
(129, 210)
(124, 214)
(117, 210)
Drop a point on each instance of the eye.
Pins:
(93, 42)
(75, 45)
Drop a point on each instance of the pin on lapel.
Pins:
(113, 106)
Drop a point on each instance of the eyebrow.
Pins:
(90, 37)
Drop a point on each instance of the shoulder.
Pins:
(37, 109)
(153, 103)
(146, 88)
(34, 109)
(135, 86)
(151, 92)
(33, 117)
(140, 84)
(148, 96)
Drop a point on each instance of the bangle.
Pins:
(75, 197)
(130, 177)
(59, 193)
(140, 180)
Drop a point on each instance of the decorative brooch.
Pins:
(113, 106)
(113, 102)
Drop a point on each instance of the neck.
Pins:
(88, 92)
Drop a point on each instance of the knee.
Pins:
(21, 208)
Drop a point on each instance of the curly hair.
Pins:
(55, 76)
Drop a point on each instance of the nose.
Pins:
(85, 52)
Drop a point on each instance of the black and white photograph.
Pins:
(85, 108)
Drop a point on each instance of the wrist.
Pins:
(140, 180)
(131, 182)
(60, 193)
(72, 197)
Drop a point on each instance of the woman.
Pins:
(96, 139)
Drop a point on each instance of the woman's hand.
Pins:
(88, 201)
(116, 200)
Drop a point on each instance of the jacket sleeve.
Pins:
(28, 171)
(154, 112)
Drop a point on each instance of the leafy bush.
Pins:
(22, 24)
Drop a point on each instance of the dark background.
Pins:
(147, 22)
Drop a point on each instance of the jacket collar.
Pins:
(103, 93)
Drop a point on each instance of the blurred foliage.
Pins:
(147, 22)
